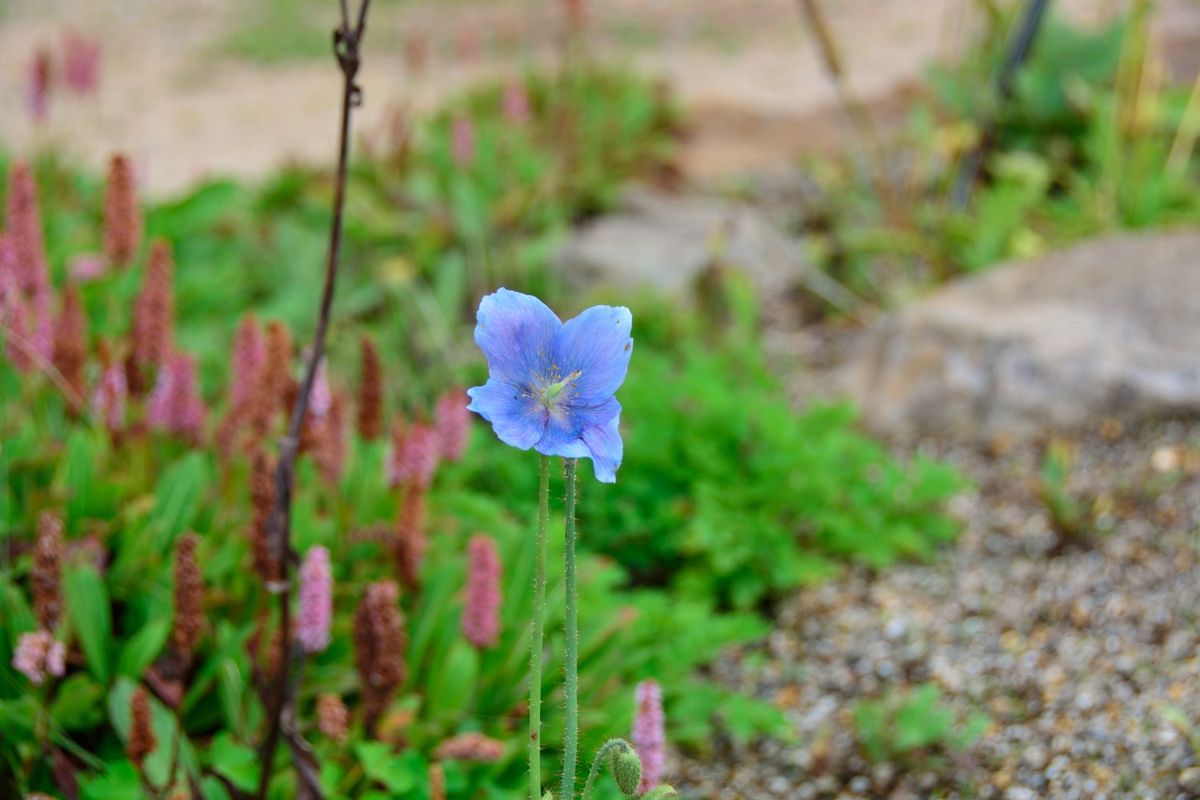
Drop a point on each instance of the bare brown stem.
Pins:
(281, 700)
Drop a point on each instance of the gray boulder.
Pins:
(665, 242)
(1106, 328)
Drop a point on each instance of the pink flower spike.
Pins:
(321, 397)
(648, 736)
(414, 456)
(14, 317)
(108, 402)
(463, 141)
(249, 355)
(175, 406)
(81, 63)
(481, 616)
(25, 236)
(56, 658)
(88, 267)
(38, 654)
(453, 422)
(315, 614)
(41, 307)
(516, 103)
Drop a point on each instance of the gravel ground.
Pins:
(1073, 655)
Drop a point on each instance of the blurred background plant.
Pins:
(1094, 137)
(913, 726)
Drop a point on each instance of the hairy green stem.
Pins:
(535, 640)
(571, 634)
(601, 754)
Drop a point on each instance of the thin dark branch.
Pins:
(362, 20)
(346, 42)
(1018, 51)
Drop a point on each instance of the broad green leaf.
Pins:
(118, 782)
(91, 616)
(179, 494)
(237, 762)
(78, 703)
(140, 650)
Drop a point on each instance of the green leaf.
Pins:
(143, 647)
(78, 703)
(76, 475)
(449, 693)
(119, 782)
(91, 616)
(16, 718)
(237, 762)
(179, 493)
(399, 774)
(211, 788)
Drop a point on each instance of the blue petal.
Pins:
(516, 334)
(518, 420)
(562, 437)
(597, 344)
(604, 442)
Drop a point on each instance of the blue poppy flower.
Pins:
(551, 384)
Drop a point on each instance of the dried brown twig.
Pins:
(281, 694)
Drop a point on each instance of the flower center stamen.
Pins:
(551, 393)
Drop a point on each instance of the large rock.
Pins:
(1110, 327)
(665, 242)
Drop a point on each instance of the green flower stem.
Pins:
(601, 754)
(571, 634)
(535, 640)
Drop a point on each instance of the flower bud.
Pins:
(627, 770)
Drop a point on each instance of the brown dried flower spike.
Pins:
(154, 310)
(141, 732)
(379, 644)
(70, 345)
(262, 498)
(189, 599)
(46, 572)
(370, 393)
(122, 217)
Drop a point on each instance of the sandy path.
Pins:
(747, 70)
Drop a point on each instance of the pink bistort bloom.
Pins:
(414, 456)
(481, 615)
(81, 63)
(463, 141)
(175, 406)
(249, 355)
(315, 612)
(39, 654)
(648, 736)
(108, 401)
(453, 422)
(24, 224)
(516, 102)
